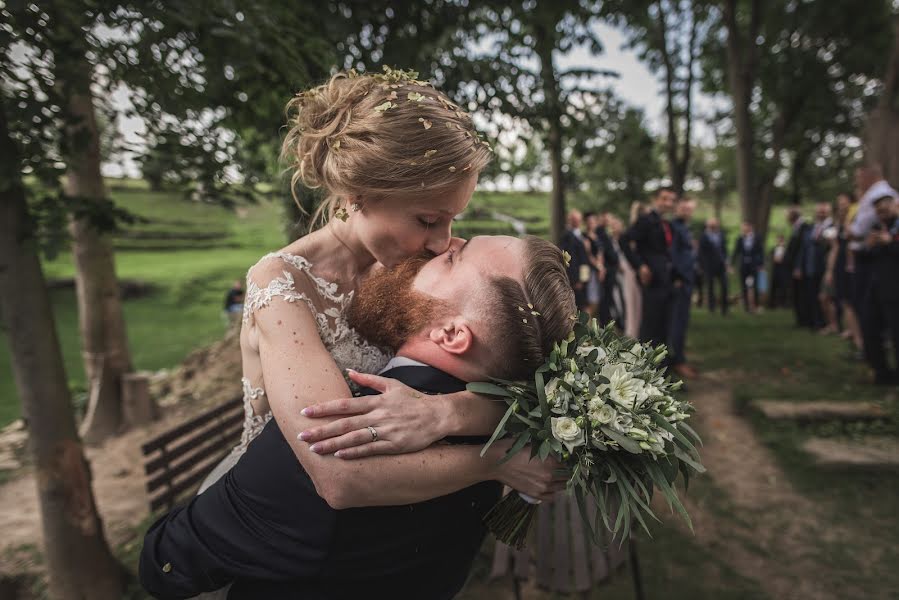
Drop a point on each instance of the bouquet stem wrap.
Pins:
(511, 519)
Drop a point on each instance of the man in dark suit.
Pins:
(579, 267)
(684, 262)
(647, 246)
(609, 256)
(780, 274)
(882, 301)
(798, 238)
(713, 258)
(749, 257)
(265, 528)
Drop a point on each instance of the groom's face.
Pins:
(462, 273)
(394, 304)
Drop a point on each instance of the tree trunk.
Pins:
(78, 558)
(882, 130)
(741, 52)
(104, 343)
(671, 143)
(544, 47)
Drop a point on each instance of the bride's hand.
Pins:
(404, 420)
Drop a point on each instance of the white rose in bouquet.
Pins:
(566, 430)
(600, 412)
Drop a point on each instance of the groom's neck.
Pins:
(428, 353)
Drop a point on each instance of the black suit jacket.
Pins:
(575, 247)
(264, 527)
(751, 260)
(712, 257)
(607, 247)
(650, 248)
(885, 265)
(794, 246)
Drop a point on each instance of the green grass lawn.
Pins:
(192, 251)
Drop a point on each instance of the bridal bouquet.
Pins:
(604, 408)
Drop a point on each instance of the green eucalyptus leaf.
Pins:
(624, 441)
(500, 429)
(488, 389)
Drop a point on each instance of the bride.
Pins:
(397, 161)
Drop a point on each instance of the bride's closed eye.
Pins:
(449, 256)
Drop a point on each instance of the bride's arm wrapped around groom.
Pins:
(286, 516)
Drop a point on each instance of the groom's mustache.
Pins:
(387, 311)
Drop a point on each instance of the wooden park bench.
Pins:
(177, 460)
(560, 555)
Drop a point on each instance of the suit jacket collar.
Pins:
(424, 378)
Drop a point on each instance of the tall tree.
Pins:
(517, 74)
(668, 35)
(79, 560)
(882, 131)
(104, 341)
(792, 70)
(215, 110)
(620, 161)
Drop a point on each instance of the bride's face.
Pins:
(394, 229)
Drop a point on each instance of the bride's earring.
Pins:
(356, 207)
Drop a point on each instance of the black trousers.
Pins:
(680, 319)
(801, 303)
(881, 316)
(719, 279)
(861, 284)
(780, 283)
(749, 285)
(699, 286)
(656, 314)
(814, 307)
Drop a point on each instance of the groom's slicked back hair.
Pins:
(527, 318)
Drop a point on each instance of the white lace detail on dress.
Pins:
(257, 297)
(348, 348)
(252, 423)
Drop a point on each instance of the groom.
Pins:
(264, 528)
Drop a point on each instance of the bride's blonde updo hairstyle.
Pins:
(377, 135)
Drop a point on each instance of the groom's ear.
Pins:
(453, 336)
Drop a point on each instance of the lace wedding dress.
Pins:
(290, 277)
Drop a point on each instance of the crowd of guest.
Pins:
(838, 270)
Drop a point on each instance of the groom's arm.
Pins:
(375, 481)
(264, 520)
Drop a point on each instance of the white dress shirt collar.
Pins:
(401, 361)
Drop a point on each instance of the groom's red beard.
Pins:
(387, 311)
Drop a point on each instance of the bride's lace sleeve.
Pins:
(270, 279)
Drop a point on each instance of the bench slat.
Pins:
(212, 428)
(170, 495)
(212, 444)
(173, 434)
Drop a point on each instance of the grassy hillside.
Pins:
(190, 252)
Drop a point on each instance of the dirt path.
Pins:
(771, 533)
(118, 481)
